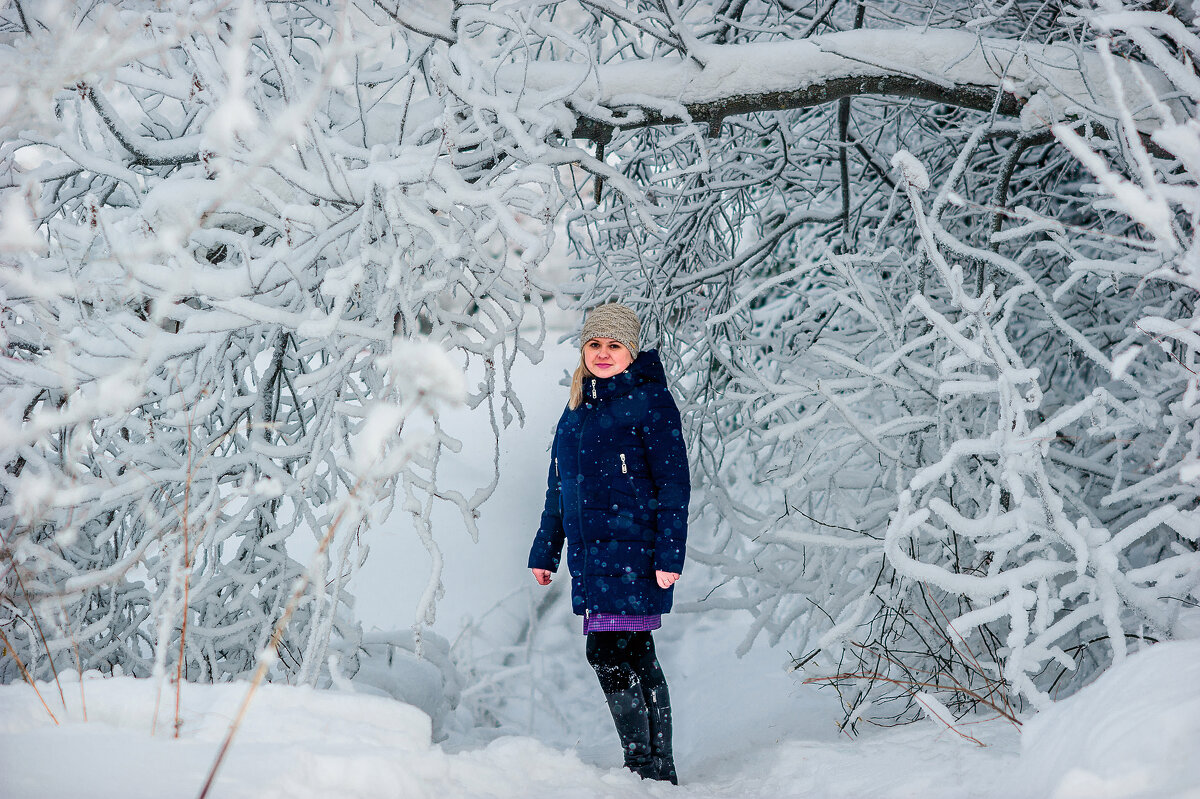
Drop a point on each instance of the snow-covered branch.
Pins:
(1041, 83)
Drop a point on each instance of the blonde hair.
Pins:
(581, 374)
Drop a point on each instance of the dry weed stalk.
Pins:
(41, 633)
(79, 671)
(184, 514)
(269, 654)
(16, 571)
(187, 573)
(25, 673)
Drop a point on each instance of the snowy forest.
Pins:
(923, 275)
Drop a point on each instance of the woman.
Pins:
(618, 495)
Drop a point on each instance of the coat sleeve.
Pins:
(667, 459)
(548, 543)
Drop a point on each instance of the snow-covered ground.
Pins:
(744, 727)
(749, 733)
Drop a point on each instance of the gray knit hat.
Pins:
(613, 321)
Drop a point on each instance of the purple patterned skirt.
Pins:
(617, 622)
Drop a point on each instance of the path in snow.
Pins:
(299, 743)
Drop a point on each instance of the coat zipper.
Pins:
(582, 534)
(593, 388)
(558, 477)
(632, 482)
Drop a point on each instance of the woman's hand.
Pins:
(666, 579)
(543, 576)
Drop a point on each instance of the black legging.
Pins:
(623, 660)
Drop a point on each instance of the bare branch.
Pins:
(425, 27)
(979, 98)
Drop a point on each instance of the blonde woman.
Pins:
(618, 496)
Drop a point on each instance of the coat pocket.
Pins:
(595, 496)
(635, 495)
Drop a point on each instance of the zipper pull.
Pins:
(556, 474)
(624, 468)
(593, 389)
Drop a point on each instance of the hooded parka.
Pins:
(617, 493)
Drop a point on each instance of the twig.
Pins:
(1168, 350)
(909, 684)
(824, 524)
(424, 30)
(930, 711)
(626, 17)
(967, 654)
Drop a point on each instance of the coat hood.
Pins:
(646, 369)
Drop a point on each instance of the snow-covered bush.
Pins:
(416, 670)
(937, 370)
(239, 240)
(1064, 529)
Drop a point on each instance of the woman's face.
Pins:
(605, 357)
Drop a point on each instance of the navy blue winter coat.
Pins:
(617, 493)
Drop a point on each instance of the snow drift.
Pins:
(1132, 734)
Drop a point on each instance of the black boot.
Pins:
(633, 728)
(658, 704)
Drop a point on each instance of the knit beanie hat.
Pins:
(613, 321)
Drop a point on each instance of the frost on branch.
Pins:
(270, 238)
(911, 170)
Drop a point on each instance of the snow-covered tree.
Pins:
(249, 249)
(914, 327)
